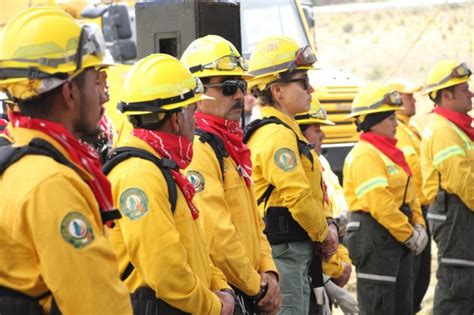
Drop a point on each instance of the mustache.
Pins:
(238, 105)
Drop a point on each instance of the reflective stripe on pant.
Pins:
(292, 261)
(453, 231)
(421, 271)
(383, 266)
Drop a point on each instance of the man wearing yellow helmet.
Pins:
(286, 172)
(447, 162)
(409, 142)
(386, 225)
(220, 172)
(55, 198)
(338, 269)
(163, 256)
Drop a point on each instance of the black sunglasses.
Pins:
(230, 87)
(304, 80)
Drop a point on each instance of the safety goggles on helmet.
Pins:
(91, 42)
(156, 105)
(303, 57)
(460, 71)
(392, 98)
(230, 87)
(320, 114)
(226, 63)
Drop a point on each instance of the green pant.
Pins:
(293, 261)
(383, 266)
(452, 226)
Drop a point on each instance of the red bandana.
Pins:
(80, 153)
(231, 134)
(462, 121)
(176, 148)
(387, 146)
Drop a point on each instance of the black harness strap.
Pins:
(304, 148)
(121, 154)
(10, 155)
(217, 146)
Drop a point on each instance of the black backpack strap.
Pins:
(121, 154)
(304, 148)
(4, 141)
(10, 154)
(216, 144)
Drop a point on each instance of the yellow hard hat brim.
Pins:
(311, 121)
(373, 111)
(196, 98)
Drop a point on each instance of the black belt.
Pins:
(281, 227)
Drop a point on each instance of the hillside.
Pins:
(372, 43)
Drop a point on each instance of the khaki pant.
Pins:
(293, 261)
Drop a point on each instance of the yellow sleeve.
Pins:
(226, 249)
(455, 164)
(372, 191)
(77, 262)
(154, 244)
(291, 182)
(334, 267)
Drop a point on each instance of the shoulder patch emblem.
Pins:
(285, 159)
(134, 203)
(76, 230)
(196, 179)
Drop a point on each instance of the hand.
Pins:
(411, 242)
(341, 297)
(422, 239)
(227, 301)
(322, 300)
(330, 243)
(346, 274)
(271, 302)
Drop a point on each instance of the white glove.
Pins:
(411, 242)
(341, 297)
(322, 300)
(422, 239)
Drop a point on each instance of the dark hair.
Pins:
(437, 99)
(40, 106)
(303, 127)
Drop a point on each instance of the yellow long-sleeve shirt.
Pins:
(168, 250)
(409, 143)
(447, 151)
(374, 184)
(230, 218)
(52, 237)
(298, 183)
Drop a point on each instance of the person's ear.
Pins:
(176, 122)
(70, 94)
(277, 92)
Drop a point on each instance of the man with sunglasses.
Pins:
(447, 162)
(220, 172)
(54, 255)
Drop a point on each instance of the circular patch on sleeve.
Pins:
(76, 230)
(285, 159)
(134, 203)
(196, 179)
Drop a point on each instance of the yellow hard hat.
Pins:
(42, 47)
(375, 99)
(213, 55)
(276, 55)
(403, 86)
(159, 83)
(316, 114)
(446, 73)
